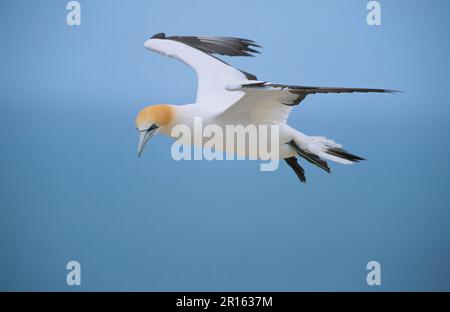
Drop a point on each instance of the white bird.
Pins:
(228, 96)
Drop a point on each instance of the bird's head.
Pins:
(149, 120)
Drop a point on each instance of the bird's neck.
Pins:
(184, 115)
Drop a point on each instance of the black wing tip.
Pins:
(244, 47)
(394, 91)
(373, 90)
(391, 91)
(312, 90)
(230, 46)
(243, 40)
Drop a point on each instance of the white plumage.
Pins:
(227, 96)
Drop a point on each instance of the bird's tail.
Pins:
(317, 150)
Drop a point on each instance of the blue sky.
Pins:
(72, 187)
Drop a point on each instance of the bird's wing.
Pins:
(213, 74)
(271, 102)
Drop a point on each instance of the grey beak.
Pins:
(144, 136)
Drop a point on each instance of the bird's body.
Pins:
(187, 114)
(227, 96)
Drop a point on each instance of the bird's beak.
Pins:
(144, 136)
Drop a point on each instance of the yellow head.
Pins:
(149, 120)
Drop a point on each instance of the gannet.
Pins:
(227, 95)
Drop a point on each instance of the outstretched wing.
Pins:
(213, 74)
(265, 101)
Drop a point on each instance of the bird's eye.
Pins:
(153, 127)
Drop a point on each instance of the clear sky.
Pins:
(72, 187)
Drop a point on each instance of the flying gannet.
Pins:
(226, 95)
